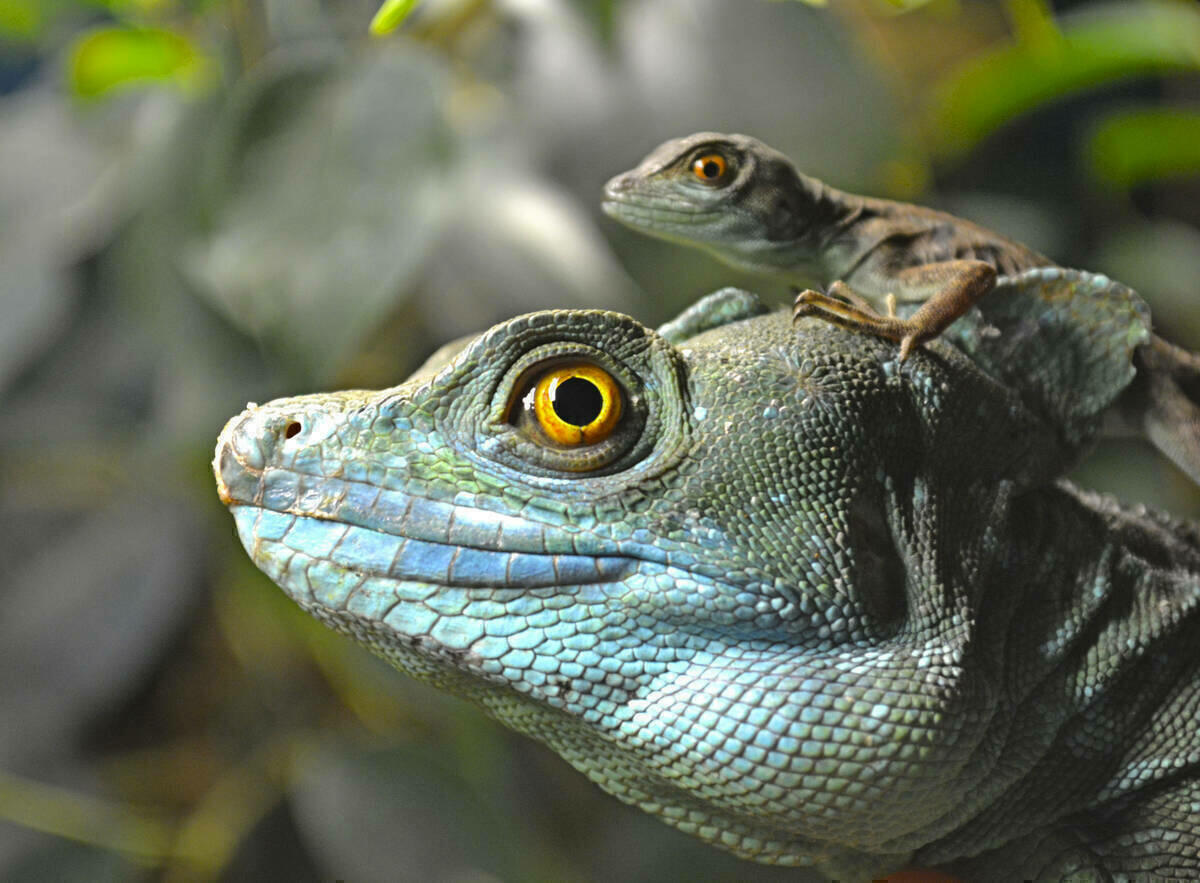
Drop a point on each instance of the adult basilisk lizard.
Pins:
(755, 579)
(746, 204)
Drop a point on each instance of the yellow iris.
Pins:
(577, 404)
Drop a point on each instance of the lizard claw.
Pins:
(805, 304)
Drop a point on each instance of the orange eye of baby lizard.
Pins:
(709, 168)
(577, 404)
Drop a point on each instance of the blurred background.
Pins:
(205, 202)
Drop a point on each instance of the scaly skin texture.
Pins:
(942, 274)
(811, 606)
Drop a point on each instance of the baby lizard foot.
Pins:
(862, 318)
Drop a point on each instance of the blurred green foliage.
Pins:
(1046, 63)
(19, 19)
(1128, 148)
(391, 15)
(109, 58)
(209, 201)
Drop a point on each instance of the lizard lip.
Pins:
(392, 512)
(390, 531)
(613, 207)
(673, 218)
(345, 545)
(617, 196)
(289, 546)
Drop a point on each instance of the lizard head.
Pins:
(698, 563)
(731, 195)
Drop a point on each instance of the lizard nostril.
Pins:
(292, 429)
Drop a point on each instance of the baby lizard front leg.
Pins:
(956, 286)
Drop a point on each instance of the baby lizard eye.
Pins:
(710, 168)
(575, 404)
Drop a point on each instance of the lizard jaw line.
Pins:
(280, 540)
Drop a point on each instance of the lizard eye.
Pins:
(575, 404)
(710, 168)
(573, 415)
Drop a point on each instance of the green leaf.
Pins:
(114, 57)
(1111, 42)
(902, 5)
(391, 15)
(20, 19)
(1132, 147)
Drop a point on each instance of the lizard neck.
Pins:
(824, 243)
(848, 232)
(1095, 645)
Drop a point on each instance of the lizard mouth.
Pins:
(658, 214)
(290, 545)
(350, 545)
(437, 587)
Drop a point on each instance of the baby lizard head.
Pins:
(731, 195)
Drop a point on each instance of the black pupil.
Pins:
(712, 169)
(577, 401)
